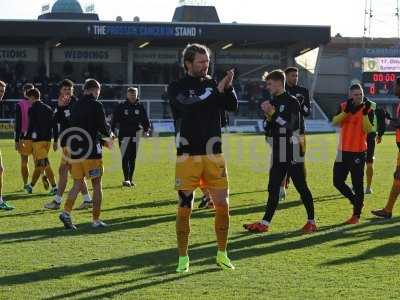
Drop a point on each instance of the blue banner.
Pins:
(141, 30)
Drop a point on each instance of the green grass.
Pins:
(135, 258)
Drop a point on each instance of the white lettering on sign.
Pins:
(99, 29)
(185, 31)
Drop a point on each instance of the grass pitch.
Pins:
(135, 258)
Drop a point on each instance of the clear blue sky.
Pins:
(345, 16)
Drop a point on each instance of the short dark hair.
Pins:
(291, 70)
(189, 53)
(66, 83)
(91, 83)
(35, 93)
(2, 83)
(277, 75)
(27, 87)
(356, 86)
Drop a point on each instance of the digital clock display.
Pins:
(379, 83)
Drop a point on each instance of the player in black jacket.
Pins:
(62, 115)
(196, 103)
(23, 142)
(283, 116)
(129, 116)
(303, 96)
(41, 130)
(84, 141)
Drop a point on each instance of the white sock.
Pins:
(311, 222)
(86, 198)
(266, 223)
(1, 200)
(57, 199)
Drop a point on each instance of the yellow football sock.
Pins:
(222, 226)
(183, 229)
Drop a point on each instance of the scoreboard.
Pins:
(379, 74)
(376, 83)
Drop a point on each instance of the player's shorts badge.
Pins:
(178, 182)
(95, 173)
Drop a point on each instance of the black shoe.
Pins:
(67, 221)
(381, 213)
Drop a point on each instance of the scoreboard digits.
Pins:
(379, 75)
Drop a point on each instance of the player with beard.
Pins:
(196, 104)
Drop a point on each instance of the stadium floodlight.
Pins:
(58, 44)
(145, 44)
(305, 50)
(227, 46)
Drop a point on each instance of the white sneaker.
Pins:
(85, 205)
(53, 205)
(99, 224)
(368, 191)
(126, 183)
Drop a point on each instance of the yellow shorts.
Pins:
(40, 150)
(65, 156)
(26, 148)
(201, 171)
(89, 168)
